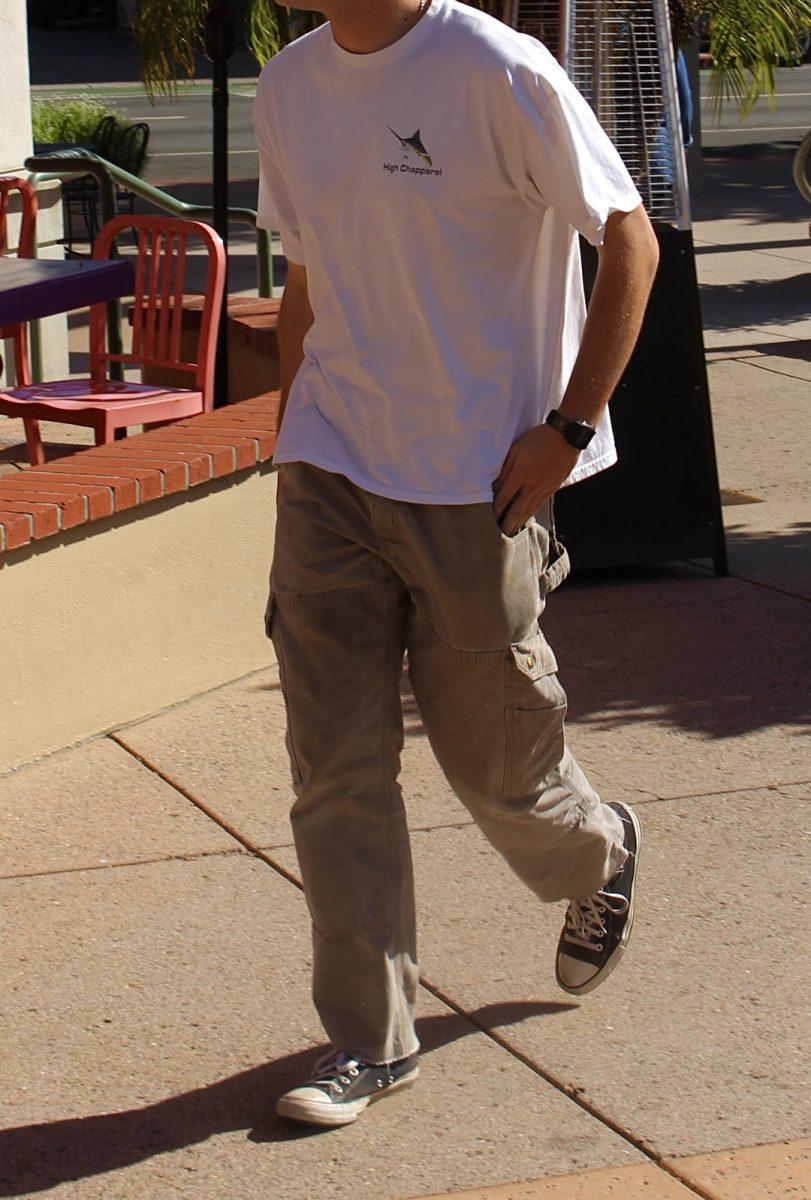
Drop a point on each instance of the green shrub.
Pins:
(66, 120)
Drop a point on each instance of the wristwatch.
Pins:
(576, 433)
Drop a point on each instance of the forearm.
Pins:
(625, 274)
(540, 459)
(295, 318)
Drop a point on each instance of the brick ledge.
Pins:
(98, 481)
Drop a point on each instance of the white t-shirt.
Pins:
(432, 190)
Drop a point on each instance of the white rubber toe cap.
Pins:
(574, 972)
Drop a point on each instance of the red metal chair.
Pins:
(18, 334)
(105, 404)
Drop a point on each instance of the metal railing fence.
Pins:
(70, 164)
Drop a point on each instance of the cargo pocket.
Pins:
(535, 710)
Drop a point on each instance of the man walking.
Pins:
(429, 170)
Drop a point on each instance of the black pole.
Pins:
(219, 48)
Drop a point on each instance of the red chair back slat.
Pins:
(158, 299)
(28, 198)
(169, 262)
(177, 298)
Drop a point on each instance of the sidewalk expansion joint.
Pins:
(204, 808)
(568, 1090)
(167, 708)
(441, 825)
(574, 1094)
(191, 856)
(110, 732)
(751, 787)
(756, 361)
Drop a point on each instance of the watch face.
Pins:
(576, 433)
(580, 435)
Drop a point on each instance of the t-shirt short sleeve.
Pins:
(275, 208)
(568, 162)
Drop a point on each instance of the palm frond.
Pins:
(749, 39)
(168, 33)
(268, 28)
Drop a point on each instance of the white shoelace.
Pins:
(585, 919)
(335, 1071)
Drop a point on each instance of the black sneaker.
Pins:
(342, 1088)
(597, 929)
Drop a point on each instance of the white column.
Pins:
(15, 146)
(15, 100)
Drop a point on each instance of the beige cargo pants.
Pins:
(356, 580)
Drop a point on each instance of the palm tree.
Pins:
(749, 37)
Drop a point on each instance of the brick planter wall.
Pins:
(133, 576)
(99, 481)
(253, 350)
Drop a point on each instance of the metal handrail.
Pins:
(52, 166)
(70, 164)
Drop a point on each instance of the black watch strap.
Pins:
(577, 433)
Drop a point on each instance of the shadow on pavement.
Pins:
(720, 669)
(730, 666)
(799, 348)
(756, 302)
(34, 1158)
(752, 180)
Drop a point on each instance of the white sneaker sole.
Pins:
(596, 980)
(311, 1112)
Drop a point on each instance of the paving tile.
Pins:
(641, 1182)
(756, 416)
(794, 366)
(736, 292)
(745, 339)
(93, 805)
(706, 693)
(228, 748)
(695, 1043)
(771, 544)
(150, 1015)
(626, 588)
(732, 232)
(778, 1172)
(781, 1172)
(691, 699)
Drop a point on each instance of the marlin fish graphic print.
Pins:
(414, 144)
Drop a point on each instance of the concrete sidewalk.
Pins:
(155, 996)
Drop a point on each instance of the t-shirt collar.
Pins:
(398, 50)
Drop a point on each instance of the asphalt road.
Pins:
(181, 128)
(788, 120)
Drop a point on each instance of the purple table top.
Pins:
(38, 287)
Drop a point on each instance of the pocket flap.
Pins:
(533, 656)
(557, 569)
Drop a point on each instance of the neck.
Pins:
(364, 26)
